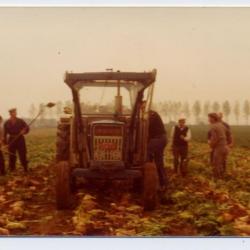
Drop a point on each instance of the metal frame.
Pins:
(128, 80)
(125, 78)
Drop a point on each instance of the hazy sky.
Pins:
(200, 53)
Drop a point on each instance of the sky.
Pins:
(199, 53)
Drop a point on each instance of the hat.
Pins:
(12, 110)
(214, 116)
(181, 117)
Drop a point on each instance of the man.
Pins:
(14, 131)
(218, 143)
(180, 136)
(2, 163)
(157, 141)
(229, 136)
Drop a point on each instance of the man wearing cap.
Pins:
(180, 136)
(229, 136)
(14, 131)
(2, 163)
(218, 143)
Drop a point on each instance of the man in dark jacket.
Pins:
(157, 141)
(180, 136)
(14, 131)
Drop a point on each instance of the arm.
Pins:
(1, 136)
(209, 135)
(213, 138)
(172, 136)
(188, 137)
(5, 134)
(25, 128)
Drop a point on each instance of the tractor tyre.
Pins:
(151, 186)
(62, 142)
(63, 185)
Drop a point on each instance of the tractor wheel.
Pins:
(63, 185)
(151, 186)
(62, 142)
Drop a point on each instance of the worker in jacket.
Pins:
(180, 137)
(218, 143)
(14, 130)
(157, 141)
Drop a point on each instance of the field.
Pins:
(240, 134)
(195, 205)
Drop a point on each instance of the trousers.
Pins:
(219, 158)
(156, 148)
(18, 146)
(180, 155)
(2, 164)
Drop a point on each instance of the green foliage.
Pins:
(195, 205)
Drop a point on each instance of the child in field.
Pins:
(2, 164)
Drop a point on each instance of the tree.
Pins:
(236, 111)
(186, 109)
(32, 111)
(68, 104)
(206, 108)
(164, 107)
(176, 109)
(59, 109)
(216, 107)
(43, 114)
(197, 111)
(51, 112)
(246, 110)
(170, 110)
(226, 109)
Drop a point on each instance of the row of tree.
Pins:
(196, 111)
(52, 113)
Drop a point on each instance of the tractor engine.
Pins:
(107, 146)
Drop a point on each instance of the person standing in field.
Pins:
(180, 137)
(2, 163)
(229, 136)
(14, 131)
(157, 141)
(218, 143)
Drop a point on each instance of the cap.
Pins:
(12, 110)
(181, 117)
(220, 115)
(214, 116)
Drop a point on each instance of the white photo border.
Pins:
(166, 243)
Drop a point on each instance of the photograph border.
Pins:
(146, 243)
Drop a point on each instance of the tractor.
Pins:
(104, 134)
